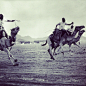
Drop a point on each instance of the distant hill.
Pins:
(19, 38)
(43, 38)
(28, 38)
(24, 38)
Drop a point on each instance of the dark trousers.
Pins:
(63, 31)
(68, 32)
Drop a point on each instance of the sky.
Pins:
(38, 18)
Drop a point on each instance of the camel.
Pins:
(8, 44)
(65, 39)
(73, 41)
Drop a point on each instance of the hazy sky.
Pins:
(38, 18)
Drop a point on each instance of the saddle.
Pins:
(1, 34)
(57, 34)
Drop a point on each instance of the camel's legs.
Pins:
(70, 50)
(50, 53)
(10, 48)
(54, 53)
(50, 48)
(61, 47)
(79, 46)
(13, 60)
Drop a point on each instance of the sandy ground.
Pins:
(37, 69)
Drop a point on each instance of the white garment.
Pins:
(62, 25)
(1, 25)
(1, 22)
(70, 30)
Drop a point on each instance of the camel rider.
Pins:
(70, 30)
(3, 34)
(1, 26)
(2, 30)
(62, 25)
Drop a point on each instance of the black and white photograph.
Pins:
(42, 42)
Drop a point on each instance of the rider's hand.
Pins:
(72, 23)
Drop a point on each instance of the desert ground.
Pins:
(37, 69)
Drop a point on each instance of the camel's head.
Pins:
(81, 32)
(78, 28)
(14, 31)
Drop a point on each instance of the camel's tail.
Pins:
(44, 44)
